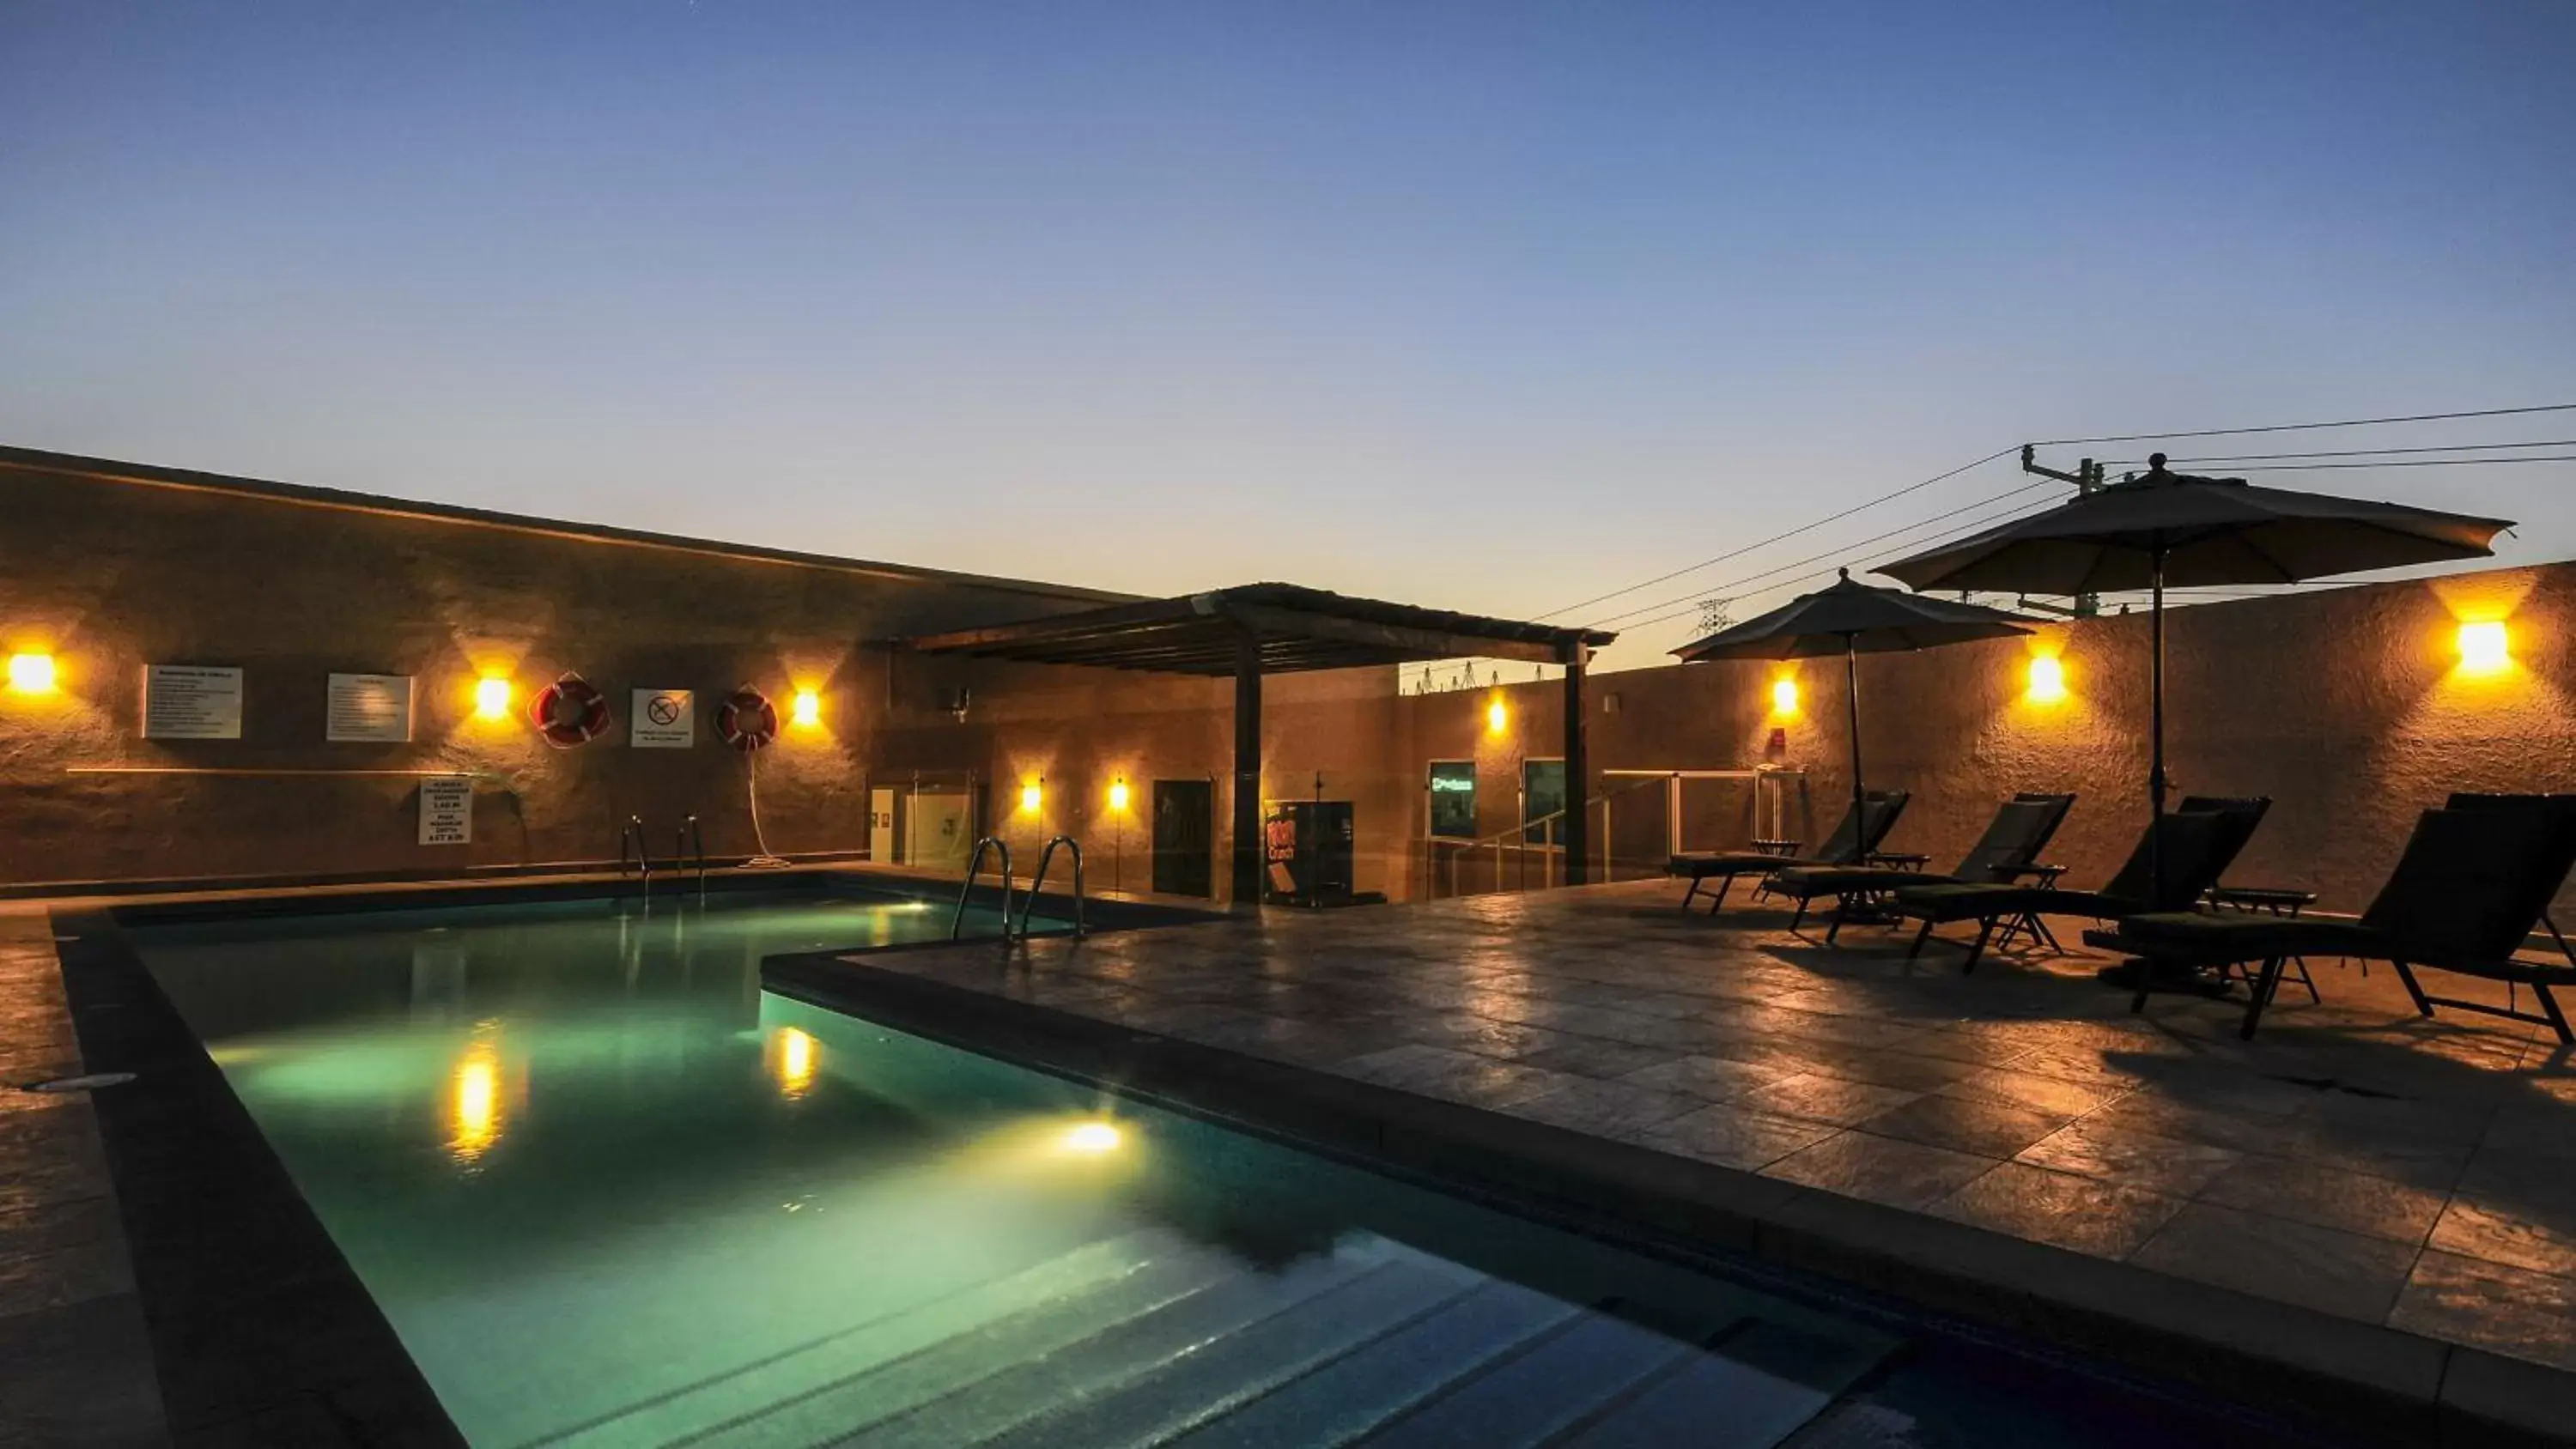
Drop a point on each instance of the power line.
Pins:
(1863, 564)
(2348, 453)
(1777, 537)
(2408, 463)
(2304, 427)
(1838, 549)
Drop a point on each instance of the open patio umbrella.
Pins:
(2174, 528)
(1851, 620)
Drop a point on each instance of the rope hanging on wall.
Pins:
(749, 723)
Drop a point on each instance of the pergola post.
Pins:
(1248, 870)
(1578, 776)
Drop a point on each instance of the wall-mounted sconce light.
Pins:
(31, 674)
(1032, 795)
(1118, 796)
(1784, 696)
(492, 697)
(2485, 647)
(2047, 680)
(806, 709)
(1498, 717)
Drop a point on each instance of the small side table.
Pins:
(2271, 900)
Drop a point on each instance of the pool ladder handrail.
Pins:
(632, 834)
(974, 868)
(1029, 900)
(691, 847)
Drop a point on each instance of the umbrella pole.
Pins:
(2156, 730)
(1851, 696)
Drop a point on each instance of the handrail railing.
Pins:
(691, 845)
(1029, 902)
(1499, 838)
(975, 867)
(632, 834)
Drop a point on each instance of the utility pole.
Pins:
(2087, 478)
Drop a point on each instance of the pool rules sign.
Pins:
(447, 810)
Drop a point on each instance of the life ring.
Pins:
(569, 712)
(747, 720)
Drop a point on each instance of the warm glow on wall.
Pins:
(1031, 797)
(492, 697)
(2047, 680)
(2485, 648)
(31, 674)
(1118, 795)
(1784, 696)
(1497, 718)
(806, 710)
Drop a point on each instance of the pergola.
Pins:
(1258, 629)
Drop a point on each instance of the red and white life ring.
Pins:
(569, 712)
(747, 720)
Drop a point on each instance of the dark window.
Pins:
(1453, 799)
(1542, 794)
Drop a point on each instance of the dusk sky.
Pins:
(1483, 306)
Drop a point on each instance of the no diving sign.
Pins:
(663, 719)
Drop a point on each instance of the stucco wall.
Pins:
(106, 575)
(2347, 706)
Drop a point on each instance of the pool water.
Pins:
(608, 1192)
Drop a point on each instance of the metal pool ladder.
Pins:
(975, 867)
(692, 847)
(630, 850)
(1029, 901)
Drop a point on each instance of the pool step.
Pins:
(1152, 1341)
(1129, 1273)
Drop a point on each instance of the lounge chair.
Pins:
(1863, 827)
(2005, 854)
(2178, 857)
(2464, 898)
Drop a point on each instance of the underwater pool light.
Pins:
(1092, 1139)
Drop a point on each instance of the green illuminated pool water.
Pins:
(608, 1192)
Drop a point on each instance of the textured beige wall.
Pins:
(2345, 705)
(109, 575)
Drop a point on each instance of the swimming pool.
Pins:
(608, 1192)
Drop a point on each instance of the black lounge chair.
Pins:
(2194, 847)
(2006, 853)
(2464, 898)
(1852, 842)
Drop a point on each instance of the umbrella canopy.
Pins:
(2174, 528)
(1852, 619)
(1847, 618)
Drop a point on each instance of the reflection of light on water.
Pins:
(474, 1098)
(793, 1062)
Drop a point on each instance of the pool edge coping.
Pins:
(2380, 1384)
(213, 1300)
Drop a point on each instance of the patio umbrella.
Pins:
(2174, 528)
(1852, 619)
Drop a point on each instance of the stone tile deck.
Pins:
(2353, 1158)
(75, 1362)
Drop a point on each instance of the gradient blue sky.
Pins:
(1488, 306)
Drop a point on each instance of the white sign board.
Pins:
(447, 810)
(369, 707)
(664, 719)
(191, 702)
